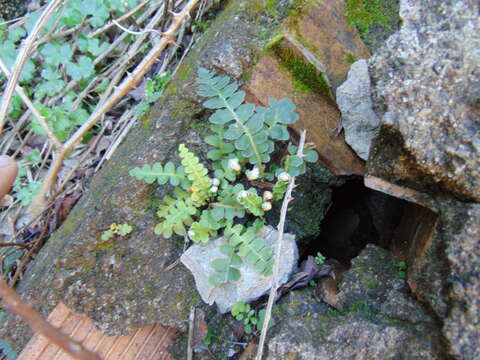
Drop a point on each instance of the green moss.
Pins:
(146, 122)
(105, 245)
(367, 13)
(351, 58)
(306, 78)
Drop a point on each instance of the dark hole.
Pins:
(357, 216)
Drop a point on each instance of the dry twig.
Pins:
(129, 83)
(22, 57)
(278, 252)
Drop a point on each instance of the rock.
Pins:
(121, 284)
(359, 121)
(380, 321)
(251, 285)
(318, 115)
(426, 90)
(306, 62)
(321, 27)
(443, 256)
(10, 9)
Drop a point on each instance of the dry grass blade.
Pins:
(278, 252)
(129, 83)
(22, 57)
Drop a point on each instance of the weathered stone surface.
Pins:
(443, 256)
(309, 59)
(121, 283)
(426, 89)
(378, 321)
(359, 121)
(12, 8)
(462, 325)
(318, 115)
(251, 285)
(322, 28)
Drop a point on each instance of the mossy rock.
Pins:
(121, 284)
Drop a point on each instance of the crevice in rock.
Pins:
(358, 215)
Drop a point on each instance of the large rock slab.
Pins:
(121, 284)
(252, 284)
(426, 89)
(318, 115)
(359, 121)
(307, 60)
(321, 26)
(379, 319)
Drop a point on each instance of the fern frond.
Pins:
(202, 230)
(161, 174)
(280, 114)
(244, 126)
(197, 174)
(222, 148)
(251, 247)
(177, 215)
(227, 206)
(251, 202)
(225, 270)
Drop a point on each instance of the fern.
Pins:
(177, 215)
(252, 247)
(225, 270)
(197, 174)
(161, 174)
(244, 126)
(222, 149)
(201, 231)
(227, 206)
(251, 202)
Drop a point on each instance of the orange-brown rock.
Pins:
(322, 27)
(318, 115)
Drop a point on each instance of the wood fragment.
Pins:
(14, 303)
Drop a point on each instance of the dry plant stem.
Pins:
(22, 57)
(38, 324)
(191, 325)
(278, 251)
(129, 83)
(32, 108)
(121, 18)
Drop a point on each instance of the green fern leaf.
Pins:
(222, 148)
(207, 227)
(227, 206)
(251, 247)
(177, 214)
(197, 174)
(161, 174)
(251, 202)
(228, 102)
(225, 270)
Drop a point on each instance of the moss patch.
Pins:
(374, 19)
(306, 78)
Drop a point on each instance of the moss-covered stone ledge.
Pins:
(122, 284)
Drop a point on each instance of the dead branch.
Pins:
(15, 304)
(22, 57)
(278, 251)
(129, 83)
